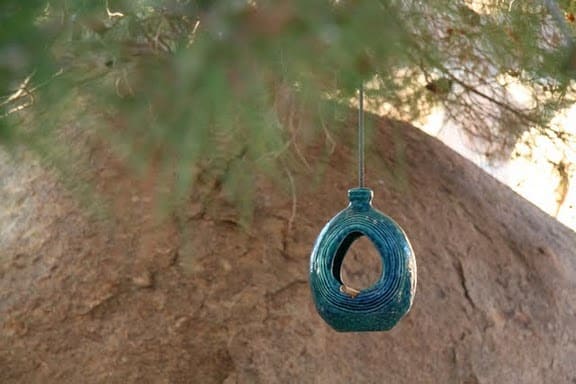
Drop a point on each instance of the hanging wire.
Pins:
(361, 166)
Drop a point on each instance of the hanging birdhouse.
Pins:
(381, 306)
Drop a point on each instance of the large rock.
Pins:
(136, 300)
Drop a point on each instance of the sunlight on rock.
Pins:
(543, 177)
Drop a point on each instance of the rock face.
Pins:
(136, 300)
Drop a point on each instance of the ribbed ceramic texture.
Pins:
(381, 306)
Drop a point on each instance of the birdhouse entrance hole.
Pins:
(362, 265)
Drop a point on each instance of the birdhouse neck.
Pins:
(360, 198)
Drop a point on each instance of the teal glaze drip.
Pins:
(380, 307)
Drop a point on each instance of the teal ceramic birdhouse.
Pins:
(381, 306)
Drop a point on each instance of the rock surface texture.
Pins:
(135, 300)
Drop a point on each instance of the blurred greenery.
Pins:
(199, 88)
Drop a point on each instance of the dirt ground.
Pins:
(134, 299)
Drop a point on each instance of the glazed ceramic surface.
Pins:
(377, 308)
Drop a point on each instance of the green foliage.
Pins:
(196, 86)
